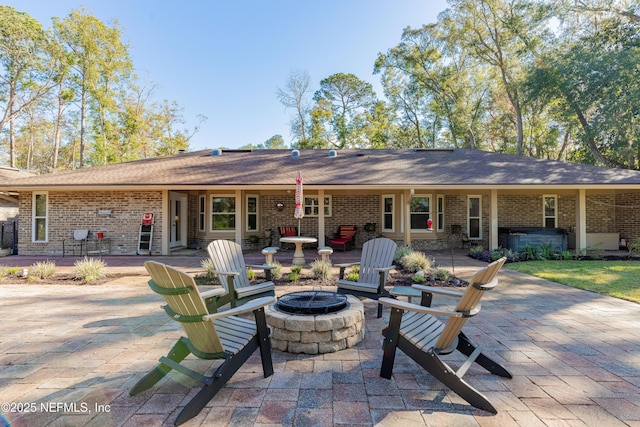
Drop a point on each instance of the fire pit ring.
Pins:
(312, 302)
(316, 333)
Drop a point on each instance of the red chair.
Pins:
(287, 231)
(345, 238)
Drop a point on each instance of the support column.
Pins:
(239, 220)
(581, 220)
(321, 233)
(166, 225)
(406, 214)
(493, 220)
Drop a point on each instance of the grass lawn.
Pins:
(619, 279)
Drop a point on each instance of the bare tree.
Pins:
(294, 96)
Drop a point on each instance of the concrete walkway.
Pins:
(70, 354)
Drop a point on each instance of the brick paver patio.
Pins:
(70, 354)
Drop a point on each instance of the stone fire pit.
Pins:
(317, 333)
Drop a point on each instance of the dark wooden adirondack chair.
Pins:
(416, 331)
(213, 336)
(375, 263)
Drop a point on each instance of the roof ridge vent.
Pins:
(216, 152)
(333, 153)
(295, 153)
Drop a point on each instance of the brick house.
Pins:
(243, 195)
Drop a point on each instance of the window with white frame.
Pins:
(252, 213)
(40, 209)
(440, 213)
(312, 206)
(388, 203)
(474, 217)
(420, 212)
(223, 213)
(550, 211)
(202, 206)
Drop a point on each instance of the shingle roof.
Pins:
(8, 173)
(381, 168)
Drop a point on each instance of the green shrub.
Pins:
(475, 250)
(276, 272)
(296, 269)
(13, 270)
(251, 275)
(294, 277)
(208, 268)
(510, 254)
(321, 269)
(529, 253)
(567, 255)
(207, 277)
(42, 269)
(352, 276)
(418, 279)
(634, 246)
(401, 252)
(416, 261)
(595, 252)
(89, 269)
(441, 274)
(547, 252)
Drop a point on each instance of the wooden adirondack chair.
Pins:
(375, 263)
(424, 338)
(229, 265)
(209, 336)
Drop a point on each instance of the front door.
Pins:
(178, 220)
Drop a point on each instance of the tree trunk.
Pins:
(12, 144)
(472, 139)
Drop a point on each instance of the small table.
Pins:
(405, 291)
(298, 255)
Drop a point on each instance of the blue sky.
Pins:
(225, 60)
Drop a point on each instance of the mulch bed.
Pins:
(397, 277)
(59, 279)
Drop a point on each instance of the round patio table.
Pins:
(298, 255)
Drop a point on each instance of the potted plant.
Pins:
(370, 226)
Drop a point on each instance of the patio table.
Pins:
(298, 255)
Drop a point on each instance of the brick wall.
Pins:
(516, 210)
(345, 209)
(627, 209)
(601, 215)
(78, 210)
(70, 211)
